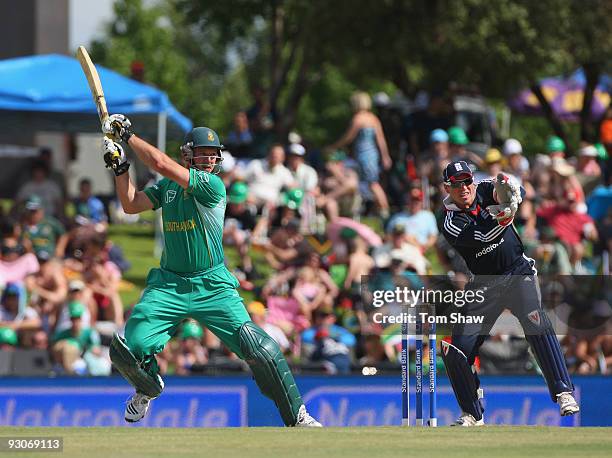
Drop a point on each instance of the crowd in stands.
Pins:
(304, 226)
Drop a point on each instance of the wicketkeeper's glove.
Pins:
(119, 126)
(507, 189)
(504, 214)
(114, 156)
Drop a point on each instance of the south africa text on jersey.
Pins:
(180, 226)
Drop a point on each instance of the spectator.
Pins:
(287, 247)
(240, 222)
(399, 252)
(44, 232)
(338, 195)
(572, 227)
(13, 314)
(8, 339)
(47, 288)
(565, 186)
(77, 350)
(458, 140)
(191, 354)
(102, 277)
(304, 176)
(239, 139)
(605, 129)
(46, 157)
(435, 160)
(283, 310)
(374, 351)
(311, 292)
(369, 147)
(329, 343)
(41, 185)
(266, 178)
(15, 263)
(77, 292)
(493, 162)
(87, 205)
(290, 208)
(360, 263)
(555, 147)
(587, 162)
(419, 225)
(550, 254)
(258, 314)
(437, 115)
(517, 164)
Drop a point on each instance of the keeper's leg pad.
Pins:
(464, 382)
(133, 370)
(270, 370)
(548, 353)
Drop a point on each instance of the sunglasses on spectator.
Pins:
(460, 184)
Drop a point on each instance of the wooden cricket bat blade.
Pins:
(93, 79)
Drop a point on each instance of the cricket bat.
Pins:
(95, 86)
(93, 79)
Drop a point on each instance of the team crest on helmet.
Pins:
(445, 347)
(211, 137)
(170, 195)
(534, 317)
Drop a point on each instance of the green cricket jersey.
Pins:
(192, 221)
(44, 235)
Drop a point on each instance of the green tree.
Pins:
(189, 65)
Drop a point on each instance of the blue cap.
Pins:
(456, 171)
(12, 289)
(438, 136)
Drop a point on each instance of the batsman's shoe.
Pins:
(467, 419)
(304, 419)
(137, 407)
(567, 404)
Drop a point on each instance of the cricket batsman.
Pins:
(478, 224)
(192, 280)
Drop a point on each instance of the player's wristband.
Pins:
(121, 169)
(126, 134)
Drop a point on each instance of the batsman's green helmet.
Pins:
(203, 136)
(457, 136)
(191, 330)
(555, 143)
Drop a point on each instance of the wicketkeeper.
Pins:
(192, 280)
(478, 224)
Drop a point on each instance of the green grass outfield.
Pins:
(491, 441)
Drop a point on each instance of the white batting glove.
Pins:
(187, 152)
(114, 156)
(119, 126)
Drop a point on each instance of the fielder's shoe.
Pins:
(567, 404)
(467, 419)
(136, 407)
(304, 419)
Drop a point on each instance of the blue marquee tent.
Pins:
(50, 93)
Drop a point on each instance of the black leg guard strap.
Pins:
(270, 371)
(133, 370)
(550, 358)
(464, 382)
